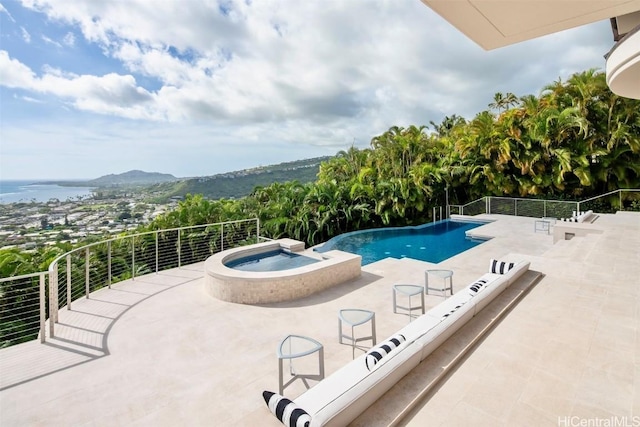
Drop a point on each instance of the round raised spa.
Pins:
(276, 271)
(271, 261)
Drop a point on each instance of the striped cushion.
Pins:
(452, 311)
(569, 219)
(380, 351)
(500, 267)
(286, 411)
(477, 287)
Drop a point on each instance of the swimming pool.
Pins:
(433, 242)
(270, 261)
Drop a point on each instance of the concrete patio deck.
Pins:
(159, 351)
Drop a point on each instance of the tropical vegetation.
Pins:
(575, 140)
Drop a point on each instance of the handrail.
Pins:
(164, 230)
(22, 276)
(532, 200)
(53, 266)
(516, 199)
(475, 201)
(41, 297)
(619, 191)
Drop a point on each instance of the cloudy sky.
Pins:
(192, 88)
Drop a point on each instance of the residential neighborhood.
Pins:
(29, 225)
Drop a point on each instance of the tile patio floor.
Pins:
(159, 351)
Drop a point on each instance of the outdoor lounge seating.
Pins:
(341, 397)
(587, 216)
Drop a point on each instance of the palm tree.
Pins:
(510, 100)
(499, 102)
(448, 124)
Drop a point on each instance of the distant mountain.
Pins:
(136, 177)
(239, 183)
(161, 187)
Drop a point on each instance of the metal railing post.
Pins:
(133, 258)
(620, 199)
(515, 207)
(446, 201)
(109, 264)
(43, 311)
(577, 208)
(156, 252)
(69, 282)
(53, 283)
(56, 292)
(222, 237)
(544, 208)
(434, 214)
(179, 249)
(440, 213)
(86, 272)
(257, 230)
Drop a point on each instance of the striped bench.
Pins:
(341, 397)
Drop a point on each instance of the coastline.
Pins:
(25, 191)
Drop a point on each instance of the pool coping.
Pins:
(261, 287)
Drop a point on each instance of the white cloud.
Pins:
(69, 39)
(28, 99)
(109, 94)
(4, 10)
(50, 41)
(101, 146)
(309, 73)
(25, 35)
(304, 61)
(15, 74)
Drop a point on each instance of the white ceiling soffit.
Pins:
(498, 23)
(623, 67)
(627, 23)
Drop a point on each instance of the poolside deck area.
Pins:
(159, 351)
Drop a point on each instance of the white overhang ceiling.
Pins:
(497, 23)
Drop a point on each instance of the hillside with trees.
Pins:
(241, 183)
(136, 177)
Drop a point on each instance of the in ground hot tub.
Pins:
(271, 261)
(278, 281)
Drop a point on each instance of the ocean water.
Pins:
(26, 191)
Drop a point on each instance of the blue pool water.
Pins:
(433, 242)
(270, 261)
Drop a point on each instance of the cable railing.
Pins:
(534, 208)
(27, 301)
(84, 270)
(618, 200)
(475, 207)
(22, 308)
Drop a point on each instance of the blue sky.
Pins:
(197, 88)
